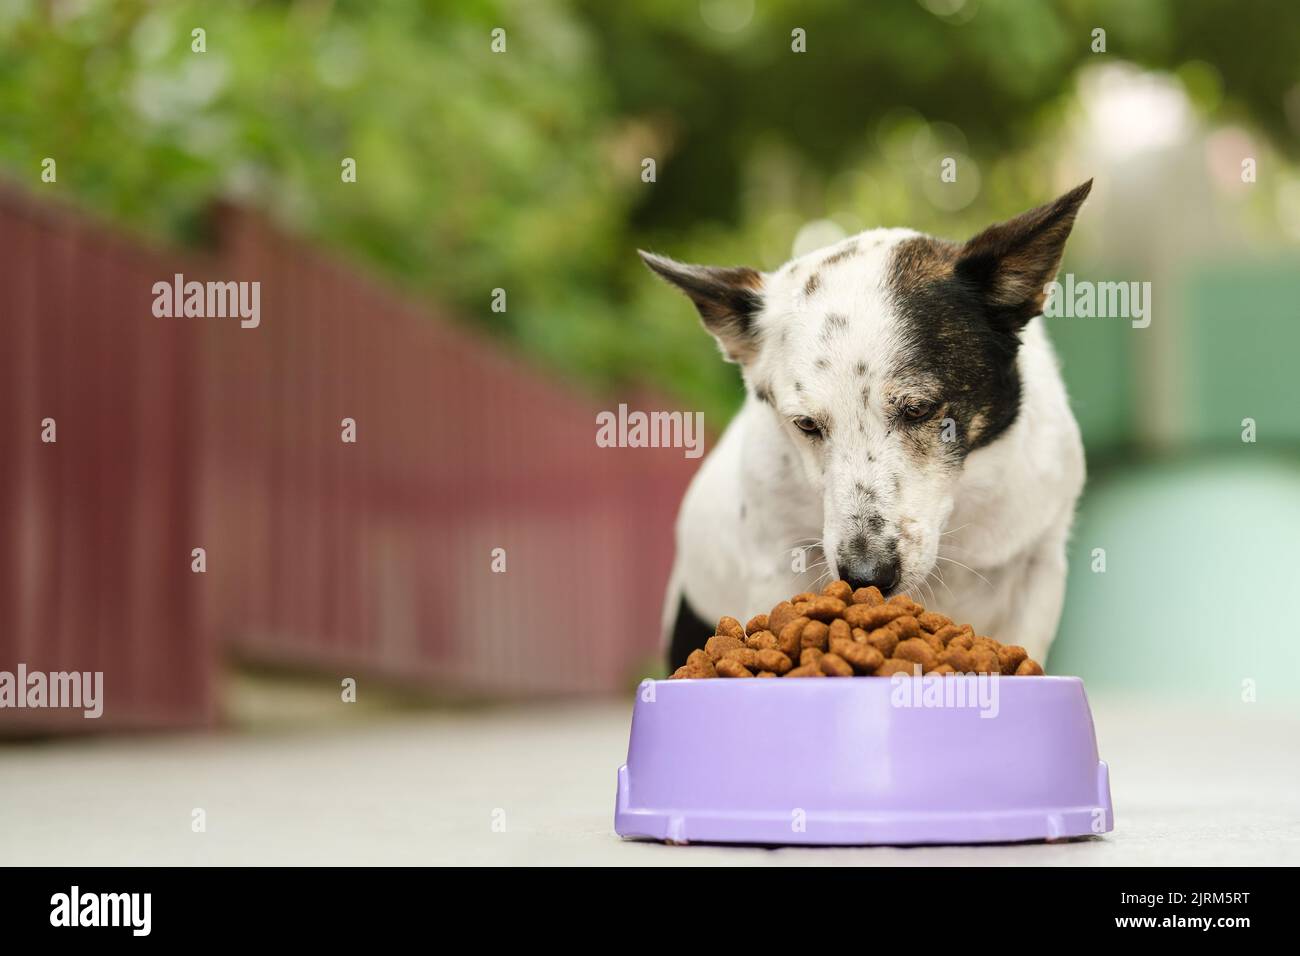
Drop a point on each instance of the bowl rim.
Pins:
(727, 681)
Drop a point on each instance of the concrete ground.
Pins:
(535, 785)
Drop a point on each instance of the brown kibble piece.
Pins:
(773, 660)
(761, 640)
(810, 655)
(815, 634)
(896, 666)
(839, 589)
(962, 640)
(764, 674)
(869, 596)
(985, 661)
(806, 670)
(729, 667)
(943, 669)
(802, 597)
(719, 644)
(1029, 668)
(790, 639)
(731, 627)
(840, 630)
(1011, 656)
(958, 658)
(934, 622)
(945, 633)
(863, 657)
(826, 609)
(906, 626)
(781, 615)
(883, 639)
(698, 664)
(756, 623)
(903, 600)
(918, 651)
(745, 656)
(870, 617)
(833, 665)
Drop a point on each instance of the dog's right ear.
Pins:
(728, 299)
(1012, 262)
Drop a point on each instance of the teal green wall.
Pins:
(1202, 581)
(1242, 346)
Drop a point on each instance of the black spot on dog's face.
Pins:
(962, 307)
(823, 363)
(868, 495)
(811, 285)
(950, 338)
(860, 368)
(832, 325)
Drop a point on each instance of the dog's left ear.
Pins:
(728, 300)
(1012, 262)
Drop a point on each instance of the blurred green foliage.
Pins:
(522, 170)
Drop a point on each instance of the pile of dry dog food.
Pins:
(842, 632)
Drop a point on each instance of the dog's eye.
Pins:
(914, 412)
(807, 425)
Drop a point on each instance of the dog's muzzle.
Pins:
(864, 570)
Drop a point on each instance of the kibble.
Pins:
(842, 633)
(790, 640)
(815, 634)
(730, 667)
(774, 661)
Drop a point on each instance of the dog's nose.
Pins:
(864, 572)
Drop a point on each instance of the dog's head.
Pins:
(885, 360)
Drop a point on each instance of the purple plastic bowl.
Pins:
(863, 760)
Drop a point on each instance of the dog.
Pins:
(904, 425)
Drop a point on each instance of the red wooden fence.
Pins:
(364, 559)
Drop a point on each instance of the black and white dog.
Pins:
(905, 425)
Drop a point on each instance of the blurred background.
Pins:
(473, 299)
